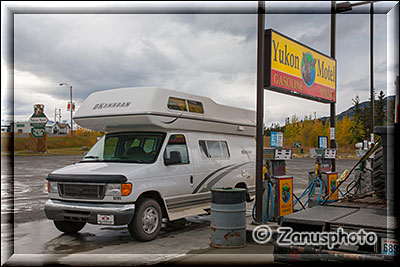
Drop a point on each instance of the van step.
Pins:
(182, 212)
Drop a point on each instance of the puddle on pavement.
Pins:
(109, 236)
(42, 237)
(85, 241)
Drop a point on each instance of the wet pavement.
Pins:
(29, 174)
(98, 245)
(36, 237)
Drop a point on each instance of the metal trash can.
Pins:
(228, 217)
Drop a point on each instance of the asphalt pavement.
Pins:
(37, 240)
(29, 174)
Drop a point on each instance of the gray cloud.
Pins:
(205, 54)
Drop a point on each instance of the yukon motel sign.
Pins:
(295, 69)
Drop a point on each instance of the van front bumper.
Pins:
(59, 210)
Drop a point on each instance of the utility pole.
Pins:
(70, 107)
(70, 94)
(333, 105)
(260, 110)
(371, 56)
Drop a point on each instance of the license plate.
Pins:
(105, 219)
(390, 247)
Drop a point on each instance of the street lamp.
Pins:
(347, 6)
(70, 106)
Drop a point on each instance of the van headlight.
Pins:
(52, 187)
(118, 190)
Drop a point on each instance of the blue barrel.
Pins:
(228, 217)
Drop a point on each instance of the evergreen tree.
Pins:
(356, 127)
(366, 121)
(380, 116)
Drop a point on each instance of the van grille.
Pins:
(81, 191)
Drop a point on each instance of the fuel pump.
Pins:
(325, 180)
(278, 193)
(363, 174)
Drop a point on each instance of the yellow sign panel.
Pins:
(332, 186)
(285, 186)
(296, 69)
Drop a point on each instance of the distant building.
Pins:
(5, 128)
(51, 127)
(64, 128)
(25, 127)
(22, 127)
(57, 127)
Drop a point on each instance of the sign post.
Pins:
(260, 110)
(333, 105)
(38, 135)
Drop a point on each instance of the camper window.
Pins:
(177, 104)
(203, 149)
(180, 104)
(176, 143)
(224, 149)
(195, 106)
(214, 149)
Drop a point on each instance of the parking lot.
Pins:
(36, 236)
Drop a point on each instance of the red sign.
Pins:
(69, 106)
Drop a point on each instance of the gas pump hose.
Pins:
(310, 189)
(269, 196)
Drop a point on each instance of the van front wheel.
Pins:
(146, 223)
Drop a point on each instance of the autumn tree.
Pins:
(291, 132)
(343, 131)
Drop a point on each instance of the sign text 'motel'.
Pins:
(295, 69)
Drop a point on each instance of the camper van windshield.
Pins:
(126, 147)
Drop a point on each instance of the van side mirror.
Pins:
(175, 158)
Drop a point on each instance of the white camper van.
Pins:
(162, 153)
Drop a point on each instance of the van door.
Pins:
(178, 171)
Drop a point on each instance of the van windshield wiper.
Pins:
(91, 157)
(127, 159)
(96, 159)
(124, 160)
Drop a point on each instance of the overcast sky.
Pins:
(211, 55)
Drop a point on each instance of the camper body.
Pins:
(162, 153)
